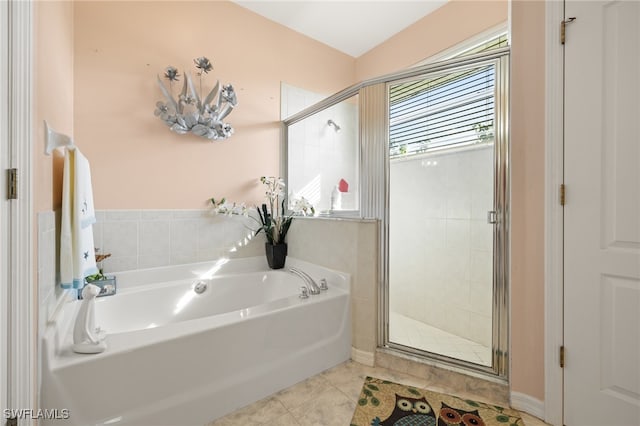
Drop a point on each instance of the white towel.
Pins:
(77, 252)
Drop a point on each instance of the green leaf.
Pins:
(375, 401)
(267, 216)
(413, 391)
(92, 278)
(362, 401)
(373, 387)
(472, 403)
(367, 392)
(285, 228)
(502, 418)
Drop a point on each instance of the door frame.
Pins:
(554, 213)
(5, 226)
(17, 297)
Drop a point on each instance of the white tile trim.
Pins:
(363, 357)
(528, 404)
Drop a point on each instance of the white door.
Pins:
(602, 214)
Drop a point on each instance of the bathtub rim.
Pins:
(57, 338)
(127, 279)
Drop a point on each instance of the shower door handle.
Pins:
(492, 217)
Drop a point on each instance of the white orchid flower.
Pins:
(303, 207)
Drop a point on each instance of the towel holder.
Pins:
(53, 139)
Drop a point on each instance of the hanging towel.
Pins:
(77, 252)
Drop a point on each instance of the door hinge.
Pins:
(563, 29)
(12, 193)
(563, 194)
(561, 356)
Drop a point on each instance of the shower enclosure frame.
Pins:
(500, 301)
(374, 195)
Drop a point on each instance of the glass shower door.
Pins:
(442, 214)
(441, 253)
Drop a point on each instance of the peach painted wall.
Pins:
(447, 26)
(137, 162)
(527, 197)
(53, 93)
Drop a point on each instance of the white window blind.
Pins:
(456, 108)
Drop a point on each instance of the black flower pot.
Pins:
(276, 255)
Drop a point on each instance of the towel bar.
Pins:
(53, 139)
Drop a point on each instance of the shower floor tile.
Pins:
(409, 332)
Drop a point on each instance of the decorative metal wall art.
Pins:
(190, 112)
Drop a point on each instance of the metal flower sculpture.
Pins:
(190, 112)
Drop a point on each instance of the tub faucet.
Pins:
(309, 282)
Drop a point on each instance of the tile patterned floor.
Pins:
(327, 399)
(409, 332)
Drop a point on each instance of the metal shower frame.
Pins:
(374, 206)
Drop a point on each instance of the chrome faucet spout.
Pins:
(308, 281)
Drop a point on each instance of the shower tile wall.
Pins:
(441, 244)
(350, 246)
(138, 239)
(321, 155)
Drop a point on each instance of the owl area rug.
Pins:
(384, 403)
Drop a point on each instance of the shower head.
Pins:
(333, 123)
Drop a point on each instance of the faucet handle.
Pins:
(304, 292)
(323, 284)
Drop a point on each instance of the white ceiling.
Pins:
(353, 27)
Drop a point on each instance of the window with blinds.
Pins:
(452, 109)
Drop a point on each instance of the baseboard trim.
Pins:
(528, 404)
(366, 358)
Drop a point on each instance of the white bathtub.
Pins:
(175, 357)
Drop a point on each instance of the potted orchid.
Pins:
(272, 218)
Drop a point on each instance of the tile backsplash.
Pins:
(138, 239)
(48, 291)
